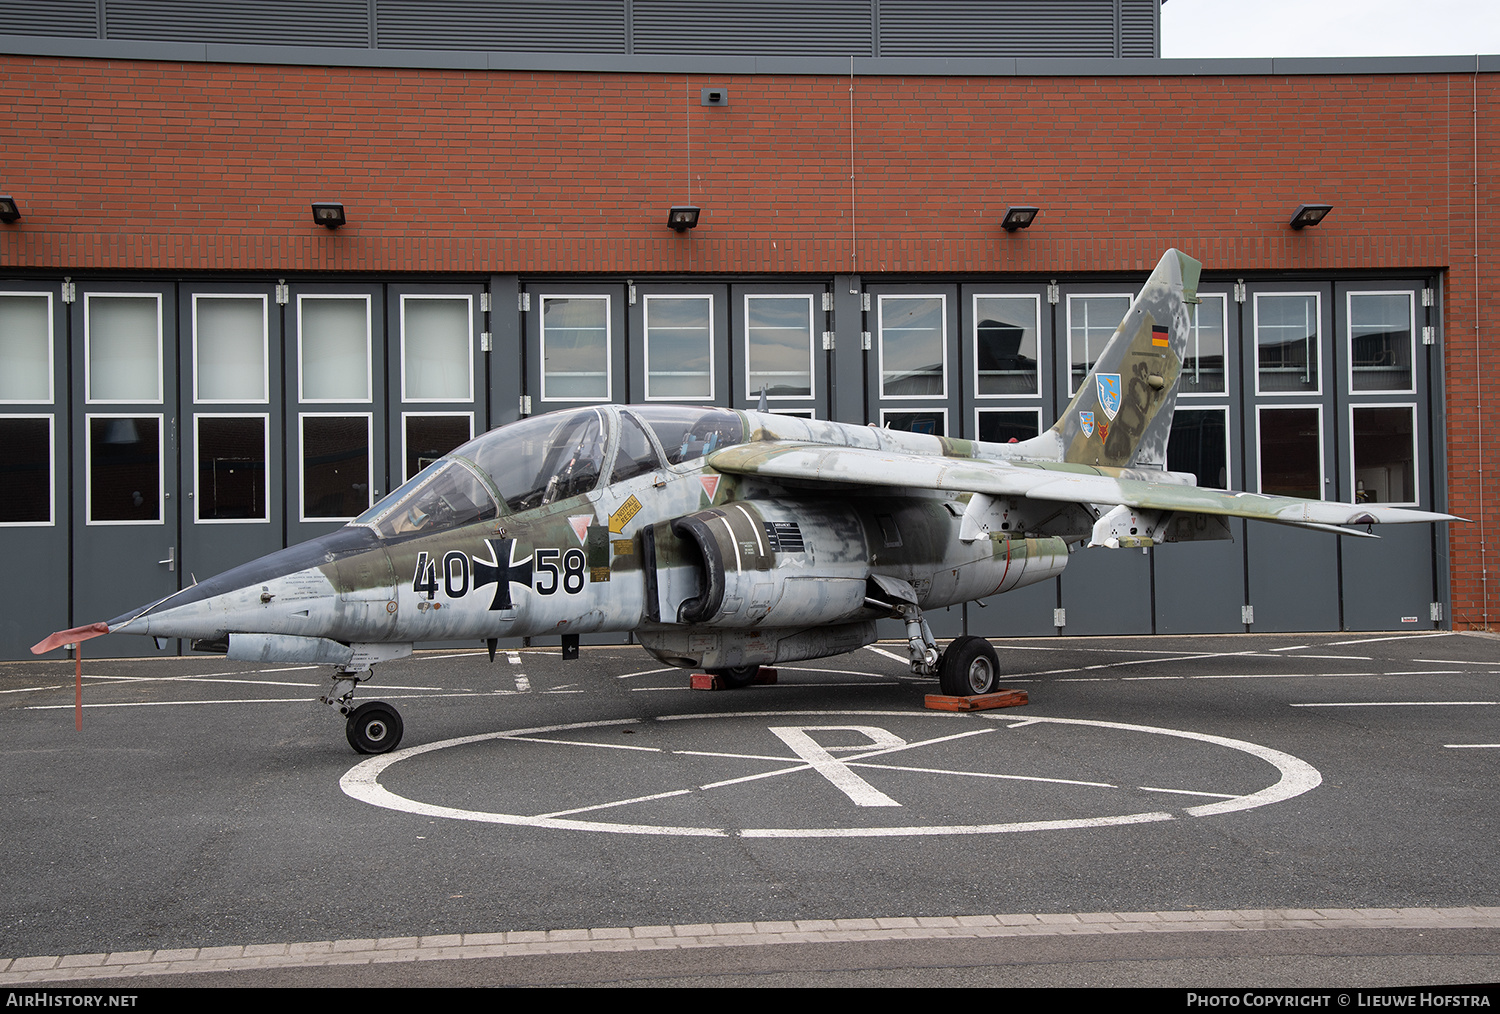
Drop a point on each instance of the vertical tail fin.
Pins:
(1122, 413)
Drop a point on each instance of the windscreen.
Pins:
(445, 494)
(541, 459)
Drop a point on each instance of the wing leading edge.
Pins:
(1042, 480)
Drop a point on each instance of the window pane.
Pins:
(1291, 461)
(679, 347)
(911, 346)
(1005, 344)
(1380, 340)
(1091, 322)
(1286, 342)
(124, 348)
(636, 456)
(429, 437)
(1007, 427)
(124, 469)
(335, 466)
(335, 348)
(778, 340)
(575, 348)
(930, 423)
(435, 349)
(1203, 368)
(230, 343)
(25, 470)
(26, 348)
(1199, 444)
(231, 468)
(1384, 455)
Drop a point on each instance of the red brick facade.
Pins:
(210, 167)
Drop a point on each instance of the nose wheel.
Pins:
(374, 728)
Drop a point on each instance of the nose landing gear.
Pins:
(373, 727)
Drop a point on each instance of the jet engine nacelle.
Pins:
(766, 563)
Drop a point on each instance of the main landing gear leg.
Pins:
(919, 641)
(373, 727)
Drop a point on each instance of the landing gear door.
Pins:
(673, 572)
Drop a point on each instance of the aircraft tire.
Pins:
(969, 668)
(374, 728)
(739, 676)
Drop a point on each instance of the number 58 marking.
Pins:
(549, 577)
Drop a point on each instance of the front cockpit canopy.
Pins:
(546, 458)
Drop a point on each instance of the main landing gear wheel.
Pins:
(374, 728)
(969, 668)
(740, 676)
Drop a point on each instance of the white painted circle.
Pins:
(1295, 777)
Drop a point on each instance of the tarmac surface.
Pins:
(1213, 811)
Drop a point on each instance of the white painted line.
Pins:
(618, 802)
(1457, 661)
(574, 742)
(1351, 658)
(424, 657)
(1393, 704)
(1471, 746)
(1293, 647)
(513, 657)
(1187, 792)
(1397, 637)
(1427, 672)
(25, 690)
(28, 971)
(644, 672)
(522, 683)
(986, 774)
(888, 654)
(862, 756)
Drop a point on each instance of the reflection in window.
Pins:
(124, 347)
(1286, 342)
(445, 495)
(636, 456)
(124, 468)
(1380, 341)
(334, 348)
(335, 466)
(231, 468)
(1200, 444)
(1291, 452)
(689, 433)
(435, 357)
(913, 340)
(429, 437)
(778, 346)
(1091, 323)
(542, 459)
(933, 424)
(575, 348)
(1006, 427)
(26, 470)
(1385, 454)
(1005, 345)
(26, 347)
(679, 348)
(1203, 366)
(229, 348)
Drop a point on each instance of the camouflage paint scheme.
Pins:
(785, 540)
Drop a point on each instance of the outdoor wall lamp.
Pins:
(329, 214)
(10, 211)
(1309, 214)
(1018, 217)
(683, 217)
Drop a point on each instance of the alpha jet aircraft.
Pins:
(726, 540)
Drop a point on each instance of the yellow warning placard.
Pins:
(620, 518)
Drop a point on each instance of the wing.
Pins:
(1039, 480)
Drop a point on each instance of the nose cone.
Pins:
(294, 587)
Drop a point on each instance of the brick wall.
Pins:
(132, 165)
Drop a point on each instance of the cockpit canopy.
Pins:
(536, 461)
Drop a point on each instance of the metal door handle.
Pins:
(171, 560)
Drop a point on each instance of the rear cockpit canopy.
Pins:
(536, 461)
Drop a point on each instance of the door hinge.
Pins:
(827, 341)
(1247, 615)
(1059, 618)
(864, 301)
(1435, 611)
(1239, 291)
(486, 342)
(484, 302)
(827, 301)
(1053, 294)
(283, 293)
(69, 291)
(525, 404)
(1429, 334)
(864, 340)
(523, 301)
(630, 292)
(1429, 297)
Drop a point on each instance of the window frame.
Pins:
(369, 398)
(198, 519)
